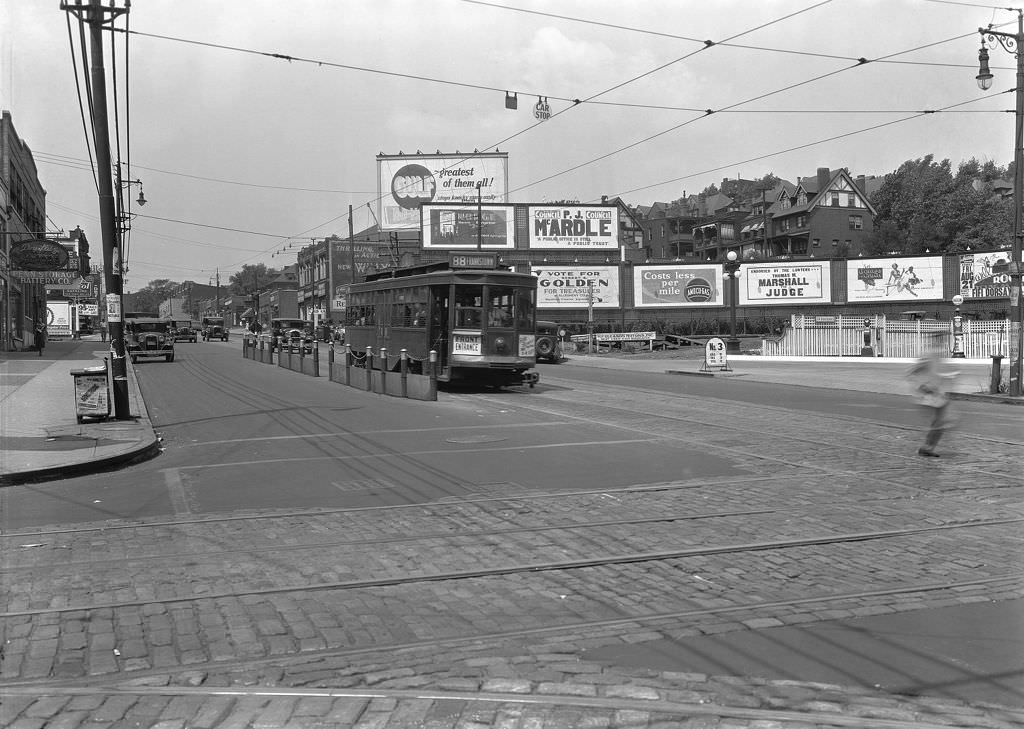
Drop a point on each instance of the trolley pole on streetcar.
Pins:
(479, 216)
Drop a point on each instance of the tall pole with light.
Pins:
(1012, 43)
(731, 268)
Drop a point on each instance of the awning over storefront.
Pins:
(248, 313)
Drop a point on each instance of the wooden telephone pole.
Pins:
(96, 16)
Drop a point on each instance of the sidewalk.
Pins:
(40, 436)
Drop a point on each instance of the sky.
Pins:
(244, 158)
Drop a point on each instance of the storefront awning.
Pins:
(248, 313)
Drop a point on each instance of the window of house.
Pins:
(856, 222)
(801, 199)
(816, 242)
(851, 200)
(835, 241)
(662, 230)
(834, 199)
(801, 221)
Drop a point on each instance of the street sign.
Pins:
(715, 356)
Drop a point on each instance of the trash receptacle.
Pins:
(996, 375)
(92, 392)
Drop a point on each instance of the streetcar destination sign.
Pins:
(473, 260)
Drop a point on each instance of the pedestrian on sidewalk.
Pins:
(929, 384)
(40, 337)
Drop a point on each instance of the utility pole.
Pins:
(95, 15)
(351, 250)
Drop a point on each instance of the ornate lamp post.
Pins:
(731, 267)
(1012, 43)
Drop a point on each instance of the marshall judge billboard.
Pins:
(573, 227)
(577, 287)
(677, 286)
(762, 283)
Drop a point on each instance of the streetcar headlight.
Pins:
(501, 345)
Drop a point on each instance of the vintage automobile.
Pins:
(548, 344)
(214, 328)
(150, 337)
(184, 330)
(294, 334)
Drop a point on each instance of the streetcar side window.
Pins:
(500, 306)
(409, 308)
(469, 301)
(360, 311)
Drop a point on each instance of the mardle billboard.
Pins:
(573, 226)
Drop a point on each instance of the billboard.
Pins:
(406, 182)
(985, 275)
(785, 283)
(463, 226)
(573, 226)
(363, 255)
(677, 286)
(894, 279)
(58, 318)
(577, 287)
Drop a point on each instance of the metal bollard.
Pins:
(369, 369)
(348, 364)
(432, 394)
(316, 359)
(384, 370)
(404, 367)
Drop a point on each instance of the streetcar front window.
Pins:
(500, 306)
(469, 304)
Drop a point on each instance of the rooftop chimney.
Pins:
(824, 175)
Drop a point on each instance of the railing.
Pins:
(840, 336)
(369, 372)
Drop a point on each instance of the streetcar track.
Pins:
(709, 443)
(657, 710)
(550, 566)
(830, 416)
(651, 620)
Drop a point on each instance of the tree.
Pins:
(148, 299)
(251, 278)
(923, 208)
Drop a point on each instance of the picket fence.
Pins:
(839, 336)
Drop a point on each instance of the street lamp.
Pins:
(731, 267)
(1012, 43)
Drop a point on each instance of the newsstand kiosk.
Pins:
(92, 392)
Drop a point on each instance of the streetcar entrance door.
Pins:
(439, 335)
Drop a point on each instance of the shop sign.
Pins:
(40, 254)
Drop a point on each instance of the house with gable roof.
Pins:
(827, 215)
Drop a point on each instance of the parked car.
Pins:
(548, 344)
(149, 337)
(297, 334)
(214, 328)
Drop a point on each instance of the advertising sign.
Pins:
(363, 255)
(40, 254)
(52, 279)
(91, 393)
(985, 275)
(781, 283)
(88, 309)
(406, 182)
(894, 279)
(457, 226)
(58, 318)
(677, 286)
(573, 226)
(467, 342)
(577, 287)
(716, 354)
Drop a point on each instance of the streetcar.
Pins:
(477, 316)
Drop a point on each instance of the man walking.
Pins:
(929, 384)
